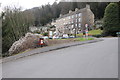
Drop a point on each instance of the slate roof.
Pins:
(73, 12)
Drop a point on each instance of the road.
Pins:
(94, 60)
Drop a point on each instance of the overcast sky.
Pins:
(25, 4)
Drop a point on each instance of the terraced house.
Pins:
(74, 21)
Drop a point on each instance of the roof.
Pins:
(73, 12)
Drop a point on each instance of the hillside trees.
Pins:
(17, 22)
(97, 7)
(46, 13)
(14, 26)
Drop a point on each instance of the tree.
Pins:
(14, 26)
(111, 22)
(55, 10)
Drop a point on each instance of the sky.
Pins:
(25, 4)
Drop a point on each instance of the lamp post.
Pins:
(74, 25)
(75, 22)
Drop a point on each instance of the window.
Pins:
(75, 24)
(79, 19)
(72, 21)
(68, 22)
(79, 14)
(76, 20)
(72, 16)
(79, 24)
(72, 26)
(69, 17)
(76, 15)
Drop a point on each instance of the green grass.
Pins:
(95, 32)
(78, 39)
(84, 39)
(92, 32)
(63, 39)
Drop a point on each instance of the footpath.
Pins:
(46, 49)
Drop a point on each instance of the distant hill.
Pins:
(46, 13)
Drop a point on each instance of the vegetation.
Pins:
(111, 23)
(92, 32)
(95, 32)
(78, 39)
(84, 39)
(15, 24)
(45, 34)
(46, 13)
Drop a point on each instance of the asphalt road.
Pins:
(94, 60)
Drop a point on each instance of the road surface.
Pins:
(94, 60)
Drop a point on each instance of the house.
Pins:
(98, 24)
(41, 29)
(74, 22)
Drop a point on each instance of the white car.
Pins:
(71, 36)
(65, 36)
(45, 37)
(55, 37)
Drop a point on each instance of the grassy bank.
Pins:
(77, 39)
(84, 39)
(92, 32)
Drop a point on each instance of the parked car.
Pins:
(65, 36)
(50, 37)
(71, 36)
(55, 37)
(45, 37)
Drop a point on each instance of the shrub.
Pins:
(111, 23)
(45, 34)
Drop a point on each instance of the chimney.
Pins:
(87, 6)
(76, 9)
(70, 11)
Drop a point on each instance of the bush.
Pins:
(45, 34)
(37, 31)
(98, 36)
(111, 23)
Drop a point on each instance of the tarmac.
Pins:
(47, 48)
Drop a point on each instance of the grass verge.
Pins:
(92, 32)
(84, 39)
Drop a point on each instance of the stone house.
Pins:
(74, 21)
(41, 29)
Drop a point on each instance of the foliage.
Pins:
(47, 13)
(92, 32)
(14, 26)
(17, 22)
(37, 31)
(97, 7)
(52, 26)
(95, 32)
(84, 39)
(78, 39)
(45, 34)
(111, 23)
